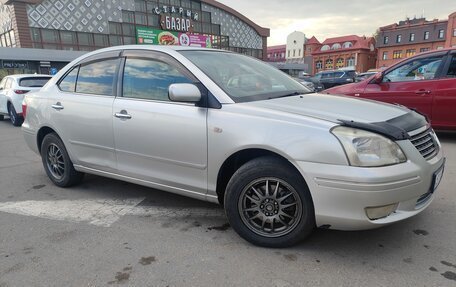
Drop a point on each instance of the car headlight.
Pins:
(367, 149)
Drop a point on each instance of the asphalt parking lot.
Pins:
(107, 233)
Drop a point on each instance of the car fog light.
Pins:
(378, 212)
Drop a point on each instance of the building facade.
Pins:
(276, 53)
(407, 38)
(85, 25)
(352, 52)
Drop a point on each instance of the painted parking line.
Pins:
(99, 212)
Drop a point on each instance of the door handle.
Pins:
(423, 92)
(57, 106)
(123, 115)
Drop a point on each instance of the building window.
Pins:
(336, 46)
(426, 35)
(340, 63)
(351, 62)
(410, 52)
(325, 48)
(347, 45)
(288, 53)
(424, 50)
(318, 65)
(398, 38)
(412, 37)
(299, 52)
(439, 47)
(454, 33)
(441, 34)
(329, 64)
(385, 40)
(294, 52)
(385, 56)
(397, 54)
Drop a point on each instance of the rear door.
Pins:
(158, 140)
(412, 84)
(81, 111)
(444, 108)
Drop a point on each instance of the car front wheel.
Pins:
(268, 203)
(15, 119)
(57, 163)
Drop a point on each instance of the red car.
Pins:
(425, 82)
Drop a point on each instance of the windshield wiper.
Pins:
(295, 93)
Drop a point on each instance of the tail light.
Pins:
(21, 92)
(24, 109)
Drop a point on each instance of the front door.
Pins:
(158, 140)
(444, 113)
(412, 84)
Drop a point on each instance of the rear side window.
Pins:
(150, 79)
(338, 74)
(97, 77)
(68, 83)
(34, 82)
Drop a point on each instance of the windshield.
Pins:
(33, 82)
(243, 78)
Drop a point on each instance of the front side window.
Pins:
(415, 70)
(452, 70)
(97, 77)
(243, 78)
(150, 79)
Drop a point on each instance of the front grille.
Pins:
(425, 144)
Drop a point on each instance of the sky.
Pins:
(331, 18)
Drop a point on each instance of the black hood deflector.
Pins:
(395, 128)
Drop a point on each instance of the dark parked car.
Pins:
(425, 82)
(329, 79)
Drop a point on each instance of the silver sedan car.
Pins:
(227, 128)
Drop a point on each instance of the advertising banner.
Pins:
(150, 36)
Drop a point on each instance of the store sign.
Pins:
(14, 65)
(176, 10)
(176, 24)
(149, 36)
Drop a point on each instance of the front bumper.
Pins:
(342, 193)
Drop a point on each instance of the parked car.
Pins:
(12, 91)
(281, 160)
(362, 76)
(306, 83)
(425, 82)
(329, 79)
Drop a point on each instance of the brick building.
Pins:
(343, 52)
(277, 53)
(406, 38)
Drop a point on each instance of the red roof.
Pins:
(313, 40)
(357, 41)
(277, 47)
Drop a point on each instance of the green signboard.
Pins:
(150, 36)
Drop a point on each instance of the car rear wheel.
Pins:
(268, 203)
(15, 119)
(57, 163)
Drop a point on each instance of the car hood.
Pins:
(332, 108)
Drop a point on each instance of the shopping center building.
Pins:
(86, 25)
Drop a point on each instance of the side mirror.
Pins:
(187, 93)
(378, 78)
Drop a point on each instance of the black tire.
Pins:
(289, 182)
(15, 119)
(57, 163)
